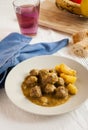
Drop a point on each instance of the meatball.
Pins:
(49, 88)
(43, 76)
(60, 82)
(61, 92)
(43, 72)
(47, 77)
(34, 72)
(52, 78)
(35, 91)
(31, 81)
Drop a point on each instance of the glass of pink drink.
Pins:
(27, 12)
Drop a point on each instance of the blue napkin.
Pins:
(16, 47)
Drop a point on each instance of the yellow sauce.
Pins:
(50, 87)
(52, 100)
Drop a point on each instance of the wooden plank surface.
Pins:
(60, 20)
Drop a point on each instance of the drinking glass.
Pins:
(27, 12)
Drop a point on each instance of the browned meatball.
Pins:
(49, 88)
(52, 78)
(34, 72)
(61, 92)
(47, 77)
(43, 72)
(60, 82)
(35, 91)
(43, 76)
(31, 81)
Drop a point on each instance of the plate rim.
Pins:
(38, 113)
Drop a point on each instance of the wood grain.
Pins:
(60, 20)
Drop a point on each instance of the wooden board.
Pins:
(60, 20)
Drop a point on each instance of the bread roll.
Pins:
(81, 48)
(79, 36)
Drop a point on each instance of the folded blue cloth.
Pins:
(16, 47)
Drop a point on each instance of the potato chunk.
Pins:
(63, 68)
(72, 89)
(68, 78)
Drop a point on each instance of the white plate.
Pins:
(17, 74)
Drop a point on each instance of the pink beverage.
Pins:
(27, 16)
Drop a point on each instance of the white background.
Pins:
(11, 117)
